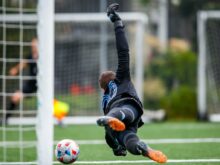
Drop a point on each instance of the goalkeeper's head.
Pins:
(105, 78)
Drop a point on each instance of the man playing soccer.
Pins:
(29, 86)
(121, 105)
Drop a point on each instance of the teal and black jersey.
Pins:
(121, 88)
(109, 94)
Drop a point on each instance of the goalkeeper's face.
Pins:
(105, 78)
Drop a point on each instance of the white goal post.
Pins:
(45, 82)
(208, 82)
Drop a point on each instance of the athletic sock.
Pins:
(131, 140)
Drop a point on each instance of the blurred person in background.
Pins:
(121, 105)
(61, 110)
(30, 85)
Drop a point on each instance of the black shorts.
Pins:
(29, 86)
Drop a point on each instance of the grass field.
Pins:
(184, 143)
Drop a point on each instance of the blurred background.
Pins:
(170, 55)
(175, 56)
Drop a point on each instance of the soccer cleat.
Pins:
(154, 155)
(157, 156)
(112, 122)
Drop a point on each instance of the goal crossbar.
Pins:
(209, 14)
(76, 17)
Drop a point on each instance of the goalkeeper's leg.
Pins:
(112, 141)
(137, 147)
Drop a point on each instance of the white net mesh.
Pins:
(78, 63)
(15, 47)
(212, 60)
(80, 51)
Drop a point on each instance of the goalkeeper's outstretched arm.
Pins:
(123, 71)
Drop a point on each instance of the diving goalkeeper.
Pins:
(121, 105)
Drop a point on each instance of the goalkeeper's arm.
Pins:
(123, 71)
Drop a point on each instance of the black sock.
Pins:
(126, 113)
(130, 141)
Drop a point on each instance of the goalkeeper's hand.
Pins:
(111, 12)
(120, 151)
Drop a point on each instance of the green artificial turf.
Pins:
(101, 152)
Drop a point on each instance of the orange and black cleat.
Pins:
(114, 123)
(157, 156)
(154, 155)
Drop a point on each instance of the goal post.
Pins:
(45, 82)
(208, 23)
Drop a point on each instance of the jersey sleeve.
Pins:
(123, 71)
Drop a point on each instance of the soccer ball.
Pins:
(67, 151)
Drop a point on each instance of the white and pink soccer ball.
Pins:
(67, 151)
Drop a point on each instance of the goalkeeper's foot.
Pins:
(112, 122)
(154, 155)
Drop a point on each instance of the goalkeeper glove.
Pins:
(111, 12)
(120, 151)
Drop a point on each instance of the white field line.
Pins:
(122, 162)
(27, 144)
(79, 120)
(147, 161)
(160, 141)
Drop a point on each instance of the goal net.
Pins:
(208, 67)
(84, 47)
(23, 49)
(15, 47)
